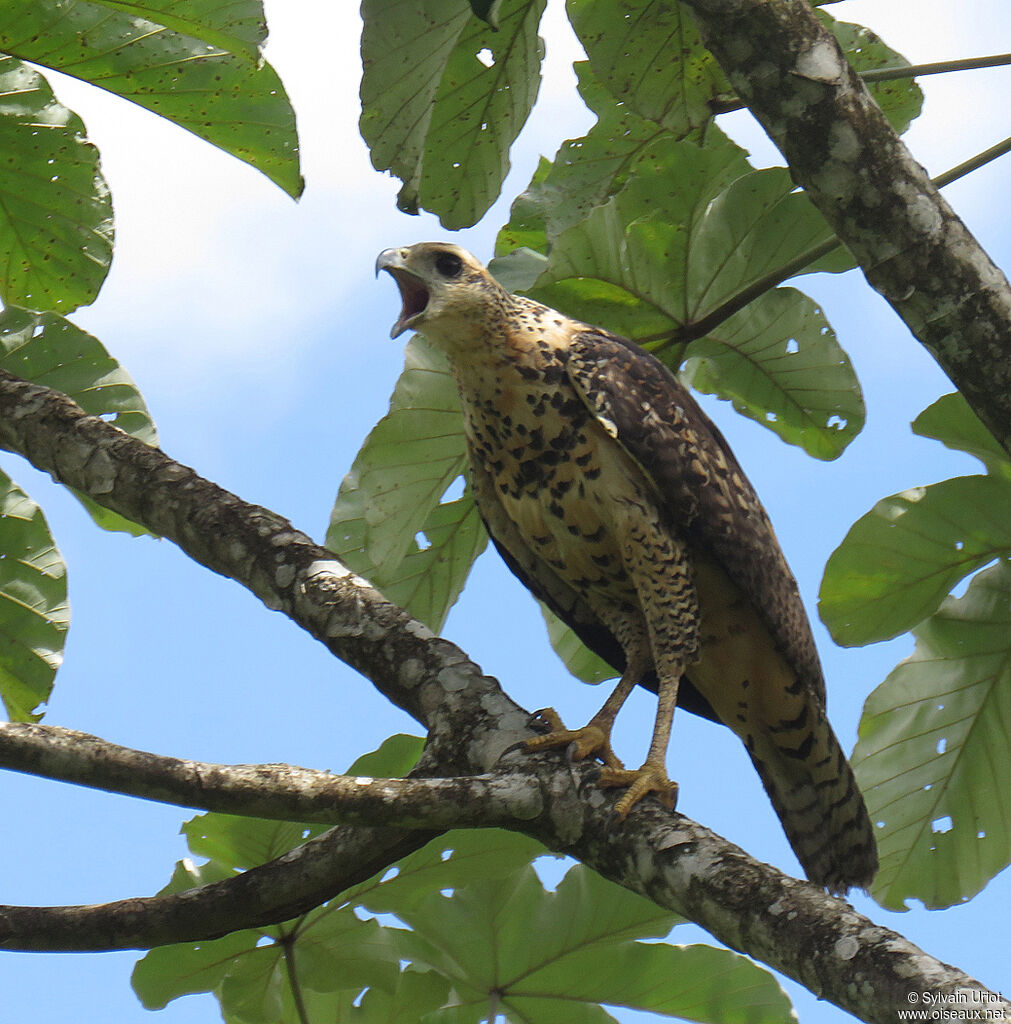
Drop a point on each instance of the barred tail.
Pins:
(815, 794)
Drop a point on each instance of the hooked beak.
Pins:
(413, 294)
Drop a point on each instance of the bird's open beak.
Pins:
(413, 294)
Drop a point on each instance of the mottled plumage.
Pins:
(617, 502)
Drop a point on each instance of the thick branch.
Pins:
(791, 925)
(912, 247)
(277, 791)
(255, 547)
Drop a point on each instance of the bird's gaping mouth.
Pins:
(413, 294)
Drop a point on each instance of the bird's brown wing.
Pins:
(701, 488)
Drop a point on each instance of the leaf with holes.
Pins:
(443, 98)
(55, 211)
(232, 101)
(557, 956)
(898, 562)
(50, 350)
(34, 613)
(779, 363)
(951, 421)
(393, 521)
(934, 756)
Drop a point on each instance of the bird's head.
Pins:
(446, 293)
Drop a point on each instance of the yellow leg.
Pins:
(659, 565)
(652, 776)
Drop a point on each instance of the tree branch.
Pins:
(278, 791)
(912, 247)
(278, 891)
(791, 925)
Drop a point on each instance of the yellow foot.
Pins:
(591, 740)
(650, 778)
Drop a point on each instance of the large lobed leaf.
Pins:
(934, 756)
(180, 68)
(396, 495)
(555, 957)
(55, 211)
(444, 96)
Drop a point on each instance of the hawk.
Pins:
(618, 503)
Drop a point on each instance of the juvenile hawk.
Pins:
(617, 502)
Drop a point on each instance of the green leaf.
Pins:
(231, 101)
(578, 658)
(168, 972)
(395, 757)
(900, 100)
(443, 98)
(951, 421)
(898, 562)
(34, 613)
(49, 350)
(555, 956)
(934, 756)
(649, 55)
(416, 994)
(241, 842)
(396, 495)
(55, 211)
(779, 363)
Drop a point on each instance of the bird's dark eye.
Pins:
(448, 264)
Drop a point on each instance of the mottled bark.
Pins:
(278, 791)
(791, 925)
(879, 201)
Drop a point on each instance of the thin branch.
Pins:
(973, 163)
(942, 67)
(281, 792)
(727, 106)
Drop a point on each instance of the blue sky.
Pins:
(260, 339)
